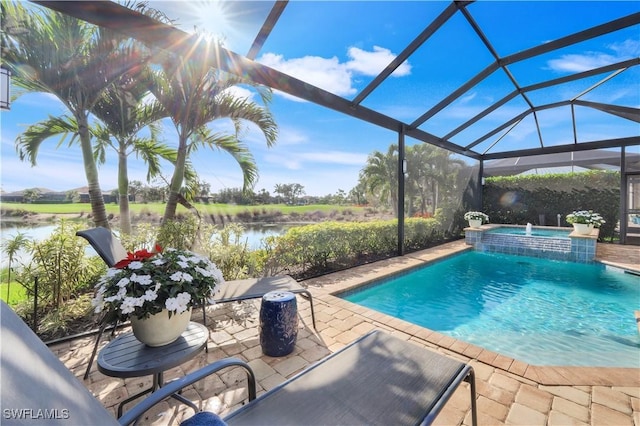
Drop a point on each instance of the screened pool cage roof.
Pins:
(561, 77)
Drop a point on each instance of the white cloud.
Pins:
(579, 63)
(286, 162)
(290, 136)
(332, 75)
(326, 73)
(590, 60)
(297, 161)
(335, 157)
(240, 92)
(372, 63)
(468, 98)
(626, 49)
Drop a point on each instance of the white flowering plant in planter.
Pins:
(146, 282)
(476, 216)
(587, 217)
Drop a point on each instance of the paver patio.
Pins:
(509, 391)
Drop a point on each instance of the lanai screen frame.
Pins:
(116, 17)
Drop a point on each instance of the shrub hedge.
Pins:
(538, 199)
(326, 246)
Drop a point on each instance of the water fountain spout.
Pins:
(528, 230)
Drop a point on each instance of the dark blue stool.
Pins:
(278, 323)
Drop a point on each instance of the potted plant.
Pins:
(584, 221)
(157, 290)
(476, 219)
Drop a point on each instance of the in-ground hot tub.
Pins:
(535, 241)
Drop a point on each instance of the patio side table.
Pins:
(126, 356)
(278, 323)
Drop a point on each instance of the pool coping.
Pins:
(326, 288)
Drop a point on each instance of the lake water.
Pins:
(254, 234)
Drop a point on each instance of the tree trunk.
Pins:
(176, 183)
(96, 199)
(123, 193)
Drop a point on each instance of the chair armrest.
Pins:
(176, 385)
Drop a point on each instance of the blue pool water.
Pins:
(538, 311)
(536, 232)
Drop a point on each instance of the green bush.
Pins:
(63, 272)
(228, 249)
(326, 246)
(224, 246)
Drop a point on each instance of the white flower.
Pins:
(123, 282)
(111, 272)
(173, 279)
(135, 265)
(150, 295)
(178, 304)
(98, 301)
(217, 276)
(586, 217)
(130, 303)
(476, 216)
(204, 272)
(142, 279)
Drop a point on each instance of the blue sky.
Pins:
(340, 47)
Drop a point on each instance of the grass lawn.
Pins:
(158, 208)
(17, 293)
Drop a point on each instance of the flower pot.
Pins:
(159, 329)
(475, 223)
(582, 228)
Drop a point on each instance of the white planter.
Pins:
(475, 223)
(159, 329)
(582, 228)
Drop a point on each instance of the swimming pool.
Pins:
(539, 311)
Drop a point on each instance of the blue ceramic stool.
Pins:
(278, 323)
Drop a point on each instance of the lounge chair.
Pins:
(378, 379)
(111, 251)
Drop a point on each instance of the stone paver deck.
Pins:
(508, 391)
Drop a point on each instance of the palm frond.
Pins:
(231, 145)
(29, 141)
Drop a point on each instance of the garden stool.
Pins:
(278, 323)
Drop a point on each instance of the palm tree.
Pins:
(11, 247)
(124, 114)
(380, 176)
(193, 96)
(72, 60)
(433, 176)
(122, 121)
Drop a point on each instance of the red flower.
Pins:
(139, 255)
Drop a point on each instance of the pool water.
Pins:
(536, 232)
(539, 311)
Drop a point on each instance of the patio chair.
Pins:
(111, 251)
(378, 379)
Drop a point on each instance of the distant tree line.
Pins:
(289, 193)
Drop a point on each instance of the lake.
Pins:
(253, 234)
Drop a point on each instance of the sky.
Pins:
(341, 46)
